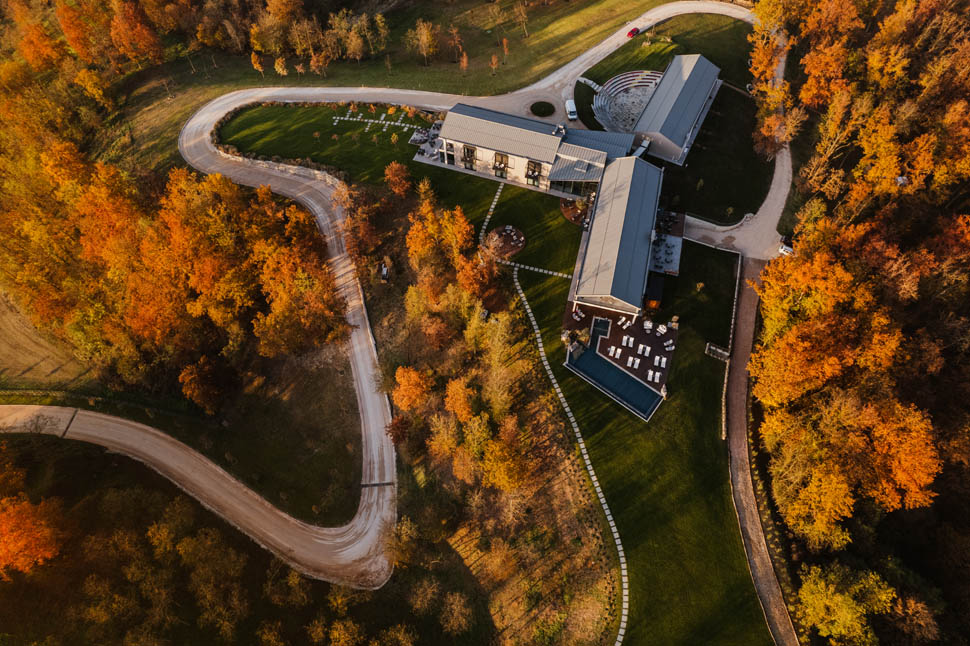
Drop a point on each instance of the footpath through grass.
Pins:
(666, 480)
(551, 241)
(308, 132)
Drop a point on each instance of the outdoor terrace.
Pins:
(629, 359)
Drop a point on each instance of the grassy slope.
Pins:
(294, 436)
(143, 133)
(736, 179)
(30, 359)
(666, 480)
(551, 241)
(721, 39)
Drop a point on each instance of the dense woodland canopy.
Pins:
(172, 282)
(863, 365)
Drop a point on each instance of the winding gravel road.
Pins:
(354, 553)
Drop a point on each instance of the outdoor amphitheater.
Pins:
(619, 102)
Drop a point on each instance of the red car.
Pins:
(633, 32)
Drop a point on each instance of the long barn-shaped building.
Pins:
(674, 114)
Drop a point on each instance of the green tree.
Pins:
(838, 601)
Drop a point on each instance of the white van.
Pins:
(571, 113)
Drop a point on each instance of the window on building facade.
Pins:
(533, 172)
(501, 166)
(468, 157)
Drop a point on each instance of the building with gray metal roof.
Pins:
(543, 156)
(502, 132)
(676, 110)
(614, 257)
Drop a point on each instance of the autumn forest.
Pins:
(171, 284)
(862, 368)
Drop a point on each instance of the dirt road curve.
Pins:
(352, 554)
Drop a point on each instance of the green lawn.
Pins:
(293, 435)
(666, 480)
(143, 132)
(721, 39)
(552, 241)
(724, 177)
(288, 131)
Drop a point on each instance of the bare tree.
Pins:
(521, 12)
(455, 42)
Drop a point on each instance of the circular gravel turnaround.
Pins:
(542, 109)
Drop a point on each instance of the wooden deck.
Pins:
(654, 351)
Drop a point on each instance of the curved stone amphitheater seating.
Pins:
(603, 101)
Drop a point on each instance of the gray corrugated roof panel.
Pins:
(502, 132)
(582, 152)
(614, 144)
(617, 256)
(679, 99)
(575, 169)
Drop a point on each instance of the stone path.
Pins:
(491, 210)
(624, 579)
(540, 270)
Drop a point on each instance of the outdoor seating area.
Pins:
(427, 140)
(506, 241)
(641, 347)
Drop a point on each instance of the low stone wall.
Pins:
(292, 168)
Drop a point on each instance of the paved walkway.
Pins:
(624, 578)
(742, 487)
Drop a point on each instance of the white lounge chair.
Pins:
(621, 321)
(629, 361)
(647, 325)
(646, 350)
(612, 350)
(656, 377)
(671, 348)
(618, 353)
(640, 348)
(649, 375)
(656, 360)
(663, 362)
(636, 364)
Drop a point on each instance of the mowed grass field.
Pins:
(29, 359)
(666, 481)
(288, 131)
(551, 241)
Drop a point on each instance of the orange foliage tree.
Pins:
(413, 389)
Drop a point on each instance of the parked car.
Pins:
(571, 113)
(787, 247)
(633, 32)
